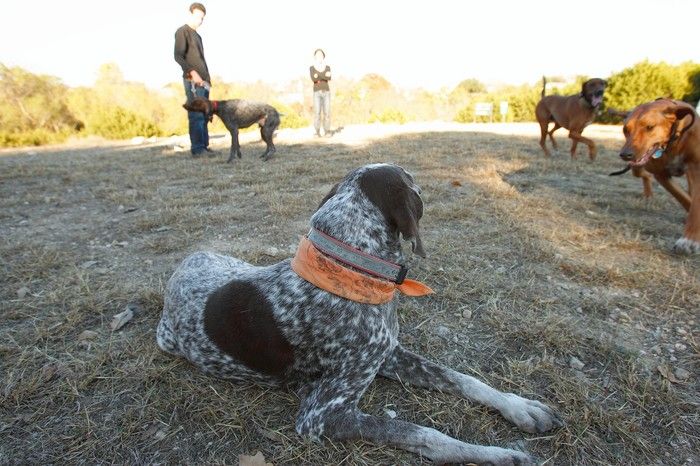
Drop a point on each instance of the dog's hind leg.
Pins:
(544, 126)
(330, 410)
(165, 336)
(529, 415)
(266, 134)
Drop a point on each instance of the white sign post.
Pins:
(504, 110)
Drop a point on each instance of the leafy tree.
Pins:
(33, 102)
(644, 82)
(465, 90)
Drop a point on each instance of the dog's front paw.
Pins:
(530, 415)
(511, 458)
(686, 246)
(457, 452)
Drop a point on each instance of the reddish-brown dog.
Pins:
(663, 139)
(573, 112)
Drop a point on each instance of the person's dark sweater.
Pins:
(320, 79)
(189, 53)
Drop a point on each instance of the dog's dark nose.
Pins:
(626, 155)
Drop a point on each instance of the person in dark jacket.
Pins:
(320, 74)
(189, 54)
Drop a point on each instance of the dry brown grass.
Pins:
(553, 258)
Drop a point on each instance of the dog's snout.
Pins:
(598, 93)
(626, 154)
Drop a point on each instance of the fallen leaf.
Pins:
(22, 292)
(87, 335)
(49, 371)
(667, 373)
(257, 460)
(270, 435)
(121, 319)
(456, 183)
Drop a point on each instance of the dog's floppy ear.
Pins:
(677, 113)
(407, 216)
(330, 194)
(198, 104)
(387, 187)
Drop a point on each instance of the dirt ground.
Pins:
(552, 280)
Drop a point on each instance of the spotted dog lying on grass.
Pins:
(325, 322)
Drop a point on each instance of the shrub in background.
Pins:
(388, 115)
(37, 109)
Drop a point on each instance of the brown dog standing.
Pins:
(663, 138)
(573, 112)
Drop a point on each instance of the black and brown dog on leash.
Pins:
(237, 114)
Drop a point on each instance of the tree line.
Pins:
(39, 109)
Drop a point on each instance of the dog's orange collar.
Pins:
(329, 275)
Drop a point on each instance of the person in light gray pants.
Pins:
(320, 74)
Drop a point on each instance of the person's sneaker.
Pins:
(210, 152)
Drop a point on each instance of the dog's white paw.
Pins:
(465, 453)
(505, 457)
(530, 415)
(686, 246)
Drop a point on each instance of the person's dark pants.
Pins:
(322, 104)
(199, 134)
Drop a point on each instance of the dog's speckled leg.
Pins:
(529, 415)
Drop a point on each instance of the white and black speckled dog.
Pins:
(267, 324)
(238, 114)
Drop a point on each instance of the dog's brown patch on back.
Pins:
(238, 319)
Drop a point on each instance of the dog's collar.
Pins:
(357, 259)
(214, 106)
(583, 96)
(325, 262)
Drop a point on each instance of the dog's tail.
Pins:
(620, 172)
(544, 84)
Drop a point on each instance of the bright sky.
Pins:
(412, 44)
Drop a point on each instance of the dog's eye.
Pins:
(650, 127)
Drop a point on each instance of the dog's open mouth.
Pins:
(596, 100)
(645, 158)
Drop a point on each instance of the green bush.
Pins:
(119, 123)
(646, 81)
(33, 109)
(291, 116)
(34, 137)
(521, 104)
(388, 115)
